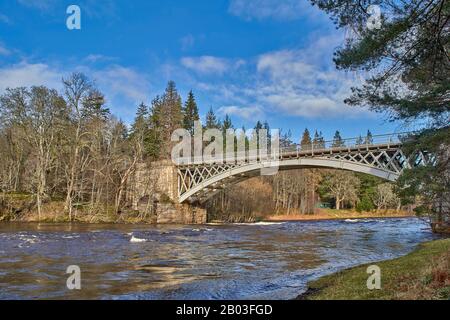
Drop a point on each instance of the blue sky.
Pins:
(252, 59)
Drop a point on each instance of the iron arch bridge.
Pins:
(383, 157)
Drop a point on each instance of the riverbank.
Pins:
(331, 214)
(19, 207)
(422, 274)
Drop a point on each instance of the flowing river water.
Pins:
(239, 261)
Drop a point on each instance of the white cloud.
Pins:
(248, 113)
(25, 75)
(121, 82)
(297, 82)
(304, 82)
(123, 87)
(210, 64)
(276, 9)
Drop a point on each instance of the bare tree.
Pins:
(76, 89)
(342, 186)
(385, 197)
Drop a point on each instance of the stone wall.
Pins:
(153, 191)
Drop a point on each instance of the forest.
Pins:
(66, 155)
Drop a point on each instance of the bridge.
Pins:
(382, 157)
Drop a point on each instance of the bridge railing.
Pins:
(317, 147)
(345, 144)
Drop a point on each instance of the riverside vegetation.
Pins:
(67, 158)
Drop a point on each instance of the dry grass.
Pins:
(329, 214)
(432, 283)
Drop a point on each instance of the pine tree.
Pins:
(255, 135)
(140, 120)
(369, 138)
(305, 143)
(94, 106)
(167, 116)
(316, 140)
(153, 140)
(286, 139)
(211, 121)
(190, 113)
(139, 129)
(321, 143)
(227, 124)
(359, 141)
(269, 136)
(337, 140)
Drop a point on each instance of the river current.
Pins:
(239, 261)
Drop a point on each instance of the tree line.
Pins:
(68, 147)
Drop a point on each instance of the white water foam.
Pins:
(262, 223)
(137, 240)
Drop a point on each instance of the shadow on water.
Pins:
(259, 261)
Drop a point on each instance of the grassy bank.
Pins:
(422, 274)
(329, 214)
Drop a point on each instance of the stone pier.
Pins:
(153, 191)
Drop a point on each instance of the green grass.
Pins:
(422, 274)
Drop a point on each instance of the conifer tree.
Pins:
(337, 140)
(211, 121)
(305, 143)
(369, 138)
(190, 113)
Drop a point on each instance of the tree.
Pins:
(139, 130)
(190, 113)
(77, 89)
(385, 197)
(153, 141)
(407, 62)
(409, 55)
(37, 113)
(256, 131)
(94, 105)
(227, 123)
(166, 117)
(286, 139)
(305, 143)
(369, 138)
(211, 121)
(359, 141)
(342, 186)
(337, 140)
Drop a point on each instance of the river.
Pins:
(239, 261)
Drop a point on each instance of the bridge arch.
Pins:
(232, 175)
